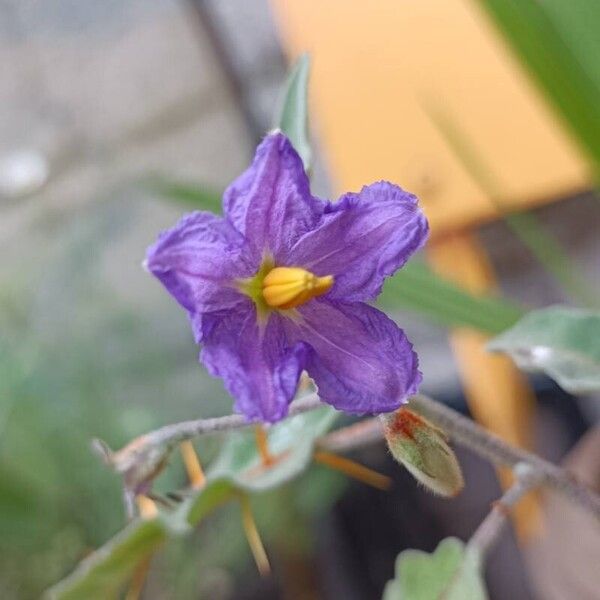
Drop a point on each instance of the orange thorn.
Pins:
(146, 506)
(353, 469)
(262, 443)
(192, 465)
(253, 537)
(139, 578)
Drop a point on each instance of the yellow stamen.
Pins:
(353, 469)
(146, 506)
(262, 443)
(192, 465)
(253, 537)
(289, 287)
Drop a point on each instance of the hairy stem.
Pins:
(186, 430)
(461, 429)
(469, 434)
(490, 528)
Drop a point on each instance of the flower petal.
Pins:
(360, 360)
(259, 369)
(271, 203)
(197, 260)
(361, 239)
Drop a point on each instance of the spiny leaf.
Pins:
(100, 575)
(291, 442)
(237, 470)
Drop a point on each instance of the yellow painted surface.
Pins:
(380, 67)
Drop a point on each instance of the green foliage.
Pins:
(291, 441)
(452, 572)
(190, 195)
(561, 341)
(293, 113)
(236, 470)
(100, 575)
(417, 288)
(558, 43)
(76, 362)
(546, 249)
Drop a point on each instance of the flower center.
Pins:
(289, 287)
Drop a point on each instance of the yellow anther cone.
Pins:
(289, 287)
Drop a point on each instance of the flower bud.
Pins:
(422, 449)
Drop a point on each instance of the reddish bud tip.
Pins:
(422, 448)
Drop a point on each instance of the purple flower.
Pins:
(280, 285)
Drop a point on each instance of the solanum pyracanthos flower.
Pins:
(280, 284)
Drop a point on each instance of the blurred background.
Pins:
(115, 118)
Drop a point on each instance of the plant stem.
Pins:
(490, 528)
(186, 430)
(462, 430)
(470, 435)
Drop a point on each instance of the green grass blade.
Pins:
(557, 42)
(190, 195)
(546, 249)
(417, 288)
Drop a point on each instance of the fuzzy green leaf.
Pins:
(100, 575)
(561, 341)
(237, 469)
(450, 572)
(291, 442)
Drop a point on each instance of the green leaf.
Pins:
(201, 503)
(103, 572)
(291, 442)
(237, 469)
(416, 287)
(561, 341)
(557, 42)
(293, 113)
(451, 572)
(100, 575)
(191, 195)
